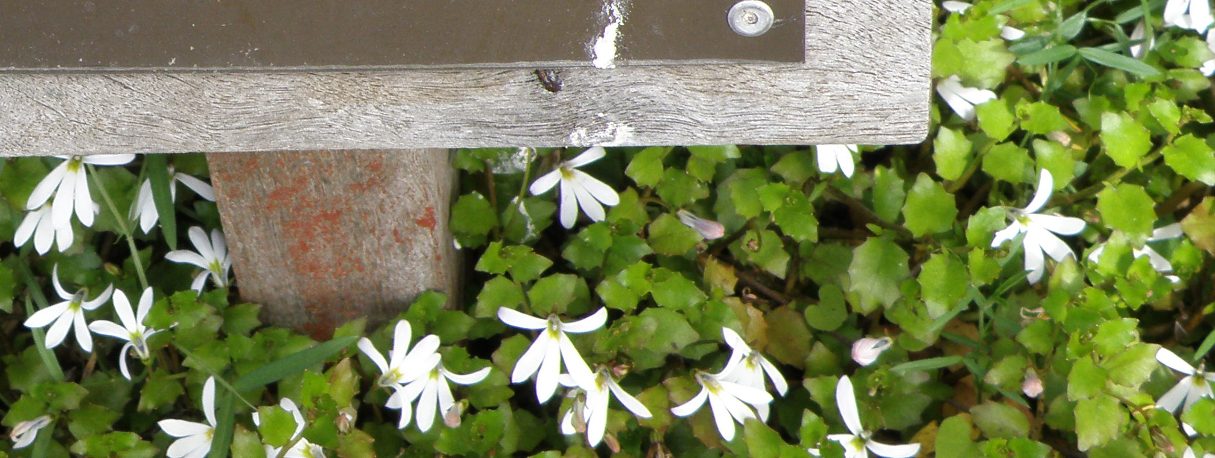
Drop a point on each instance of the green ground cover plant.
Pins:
(1033, 280)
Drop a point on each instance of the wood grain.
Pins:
(323, 237)
(865, 80)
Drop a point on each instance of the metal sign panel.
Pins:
(273, 35)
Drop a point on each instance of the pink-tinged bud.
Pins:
(867, 350)
(345, 419)
(452, 417)
(1060, 136)
(1032, 386)
(707, 228)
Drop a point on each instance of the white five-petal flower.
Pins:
(402, 367)
(194, 439)
(212, 257)
(592, 412)
(40, 225)
(578, 189)
(550, 349)
(963, 99)
(302, 448)
(866, 350)
(24, 433)
(144, 209)
(1196, 384)
(434, 392)
(69, 184)
(855, 444)
(1040, 230)
(1160, 263)
(132, 329)
(67, 314)
(728, 401)
(836, 157)
(748, 367)
(1189, 14)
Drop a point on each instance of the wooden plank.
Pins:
(865, 80)
(324, 237)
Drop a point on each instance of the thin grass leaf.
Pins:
(227, 422)
(927, 364)
(292, 364)
(1120, 62)
(1008, 6)
(162, 197)
(1205, 347)
(1135, 13)
(1048, 55)
(42, 444)
(33, 289)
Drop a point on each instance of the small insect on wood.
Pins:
(550, 79)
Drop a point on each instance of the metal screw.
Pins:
(751, 18)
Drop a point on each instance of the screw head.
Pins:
(751, 18)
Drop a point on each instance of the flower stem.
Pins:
(122, 227)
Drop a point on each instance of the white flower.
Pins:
(132, 330)
(748, 367)
(836, 157)
(69, 183)
(1188, 14)
(1160, 263)
(1196, 384)
(1040, 230)
(1146, 43)
(867, 350)
(435, 392)
(144, 208)
(67, 314)
(963, 99)
(1011, 33)
(194, 439)
(855, 444)
(550, 349)
(1208, 67)
(593, 412)
(955, 6)
(25, 432)
(1032, 385)
(578, 189)
(40, 224)
(1189, 453)
(212, 257)
(403, 365)
(302, 448)
(707, 228)
(728, 401)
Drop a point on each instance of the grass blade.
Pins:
(927, 364)
(227, 422)
(1120, 62)
(1048, 55)
(292, 364)
(162, 197)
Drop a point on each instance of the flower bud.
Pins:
(867, 350)
(1032, 386)
(707, 228)
(345, 419)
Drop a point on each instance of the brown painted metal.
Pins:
(272, 35)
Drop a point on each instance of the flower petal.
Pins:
(590, 155)
(545, 182)
(219, 245)
(745, 393)
(45, 234)
(401, 334)
(597, 189)
(83, 201)
(208, 400)
(569, 205)
(26, 229)
(628, 401)
(187, 257)
(690, 407)
(374, 355)
(145, 306)
(722, 417)
(594, 321)
(62, 204)
(893, 451)
(83, 336)
(1062, 225)
(1049, 243)
(845, 397)
(586, 201)
(122, 360)
(778, 379)
(1171, 231)
(1035, 263)
(201, 188)
(45, 316)
(531, 359)
(467, 379)
(182, 428)
(109, 159)
(550, 371)
(59, 330)
(426, 406)
(46, 188)
(189, 446)
(123, 307)
(521, 320)
(1172, 399)
(110, 329)
(574, 364)
(198, 237)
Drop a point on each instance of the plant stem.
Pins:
(122, 227)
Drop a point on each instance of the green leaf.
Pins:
(588, 247)
(1041, 118)
(276, 425)
(159, 389)
(1009, 162)
(796, 217)
(676, 292)
(551, 294)
(241, 319)
(1166, 113)
(1057, 159)
(679, 189)
(943, 283)
(158, 174)
(951, 148)
(954, 437)
(927, 364)
(796, 167)
(668, 236)
(830, 312)
(495, 293)
(788, 338)
(472, 217)
(1127, 208)
(245, 443)
(1098, 420)
(1133, 366)
(878, 266)
(1114, 336)
(995, 119)
(1048, 55)
(646, 167)
(929, 208)
(1191, 157)
(1126, 140)
(292, 364)
(1201, 416)
(1072, 26)
(985, 61)
(888, 194)
(998, 420)
(1120, 62)
(1085, 380)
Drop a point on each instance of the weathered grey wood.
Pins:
(323, 237)
(865, 80)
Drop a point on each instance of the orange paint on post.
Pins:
(428, 220)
